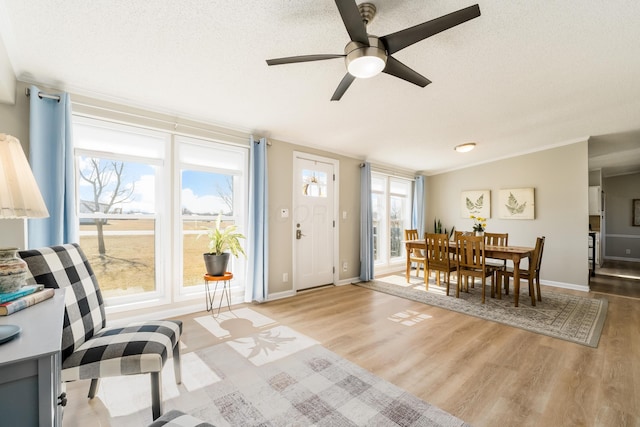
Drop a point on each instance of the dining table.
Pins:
(513, 253)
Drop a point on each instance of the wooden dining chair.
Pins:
(438, 259)
(457, 234)
(497, 239)
(532, 271)
(415, 255)
(471, 263)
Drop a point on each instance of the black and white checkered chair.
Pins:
(90, 350)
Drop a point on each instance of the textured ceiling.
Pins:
(525, 75)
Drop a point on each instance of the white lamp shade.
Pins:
(19, 193)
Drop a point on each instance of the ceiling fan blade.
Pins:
(303, 58)
(353, 21)
(401, 39)
(342, 87)
(398, 69)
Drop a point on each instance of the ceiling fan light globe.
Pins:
(365, 61)
(365, 67)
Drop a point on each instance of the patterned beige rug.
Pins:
(262, 373)
(568, 317)
(313, 386)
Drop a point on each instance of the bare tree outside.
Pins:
(226, 193)
(106, 180)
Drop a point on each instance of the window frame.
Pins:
(168, 218)
(386, 261)
(240, 216)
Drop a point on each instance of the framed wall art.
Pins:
(475, 202)
(517, 203)
(636, 213)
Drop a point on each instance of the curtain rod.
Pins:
(27, 92)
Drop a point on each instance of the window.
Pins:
(127, 208)
(391, 205)
(212, 180)
(119, 171)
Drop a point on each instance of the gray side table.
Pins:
(30, 388)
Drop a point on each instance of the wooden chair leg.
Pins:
(93, 388)
(156, 394)
(447, 277)
(538, 288)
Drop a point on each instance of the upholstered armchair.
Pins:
(90, 350)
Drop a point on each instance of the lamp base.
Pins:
(13, 270)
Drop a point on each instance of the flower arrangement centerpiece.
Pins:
(479, 224)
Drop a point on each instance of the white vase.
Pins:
(479, 233)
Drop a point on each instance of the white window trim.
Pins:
(166, 291)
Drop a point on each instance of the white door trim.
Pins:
(336, 199)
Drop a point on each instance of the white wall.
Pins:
(560, 179)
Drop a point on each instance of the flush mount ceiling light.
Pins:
(466, 147)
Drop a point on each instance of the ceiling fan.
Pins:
(367, 55)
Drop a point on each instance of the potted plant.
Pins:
(222, 243)
(437, 228)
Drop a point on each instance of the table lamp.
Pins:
(19, 198)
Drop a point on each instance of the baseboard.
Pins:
(562, 285)
(156, 315)
(280, 295)
(619, 258)
(348, 281)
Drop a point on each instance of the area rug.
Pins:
(313, 386)
(568, 317)
(259, 373)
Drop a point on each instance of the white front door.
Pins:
(313, 220)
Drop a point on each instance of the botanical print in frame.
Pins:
(476, 203)
(636, 212)
(517, 203)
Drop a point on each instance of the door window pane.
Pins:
(315, 183)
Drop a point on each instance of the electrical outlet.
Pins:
(285, 277)
(344, 266)
(628, 251)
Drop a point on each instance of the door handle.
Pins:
(299, 234)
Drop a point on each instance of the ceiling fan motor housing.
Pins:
(365, 61)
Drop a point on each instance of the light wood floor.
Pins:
(483, 372)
